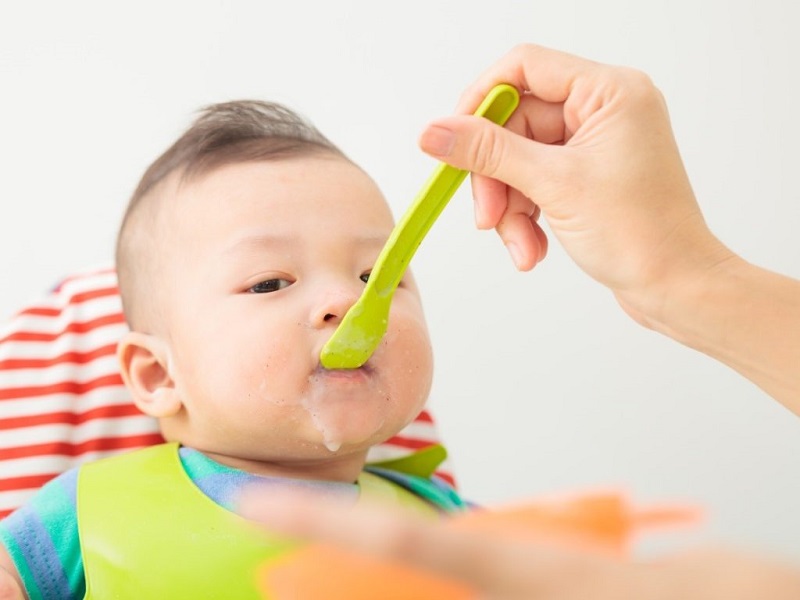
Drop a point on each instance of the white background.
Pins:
(542, 384)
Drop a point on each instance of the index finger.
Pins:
(548, 74)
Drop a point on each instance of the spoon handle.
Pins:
(429, 203)
(365, 323)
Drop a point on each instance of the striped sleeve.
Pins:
(420, 433)
(42, 539)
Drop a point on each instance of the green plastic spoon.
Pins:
(365, 323)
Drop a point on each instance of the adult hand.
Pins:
(591, 149)
(510, 568)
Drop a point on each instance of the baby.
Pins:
(241, 250)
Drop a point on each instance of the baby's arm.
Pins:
(39, 544)
(10, 584)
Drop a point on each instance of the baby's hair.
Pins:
(225, 133)
(232, 132)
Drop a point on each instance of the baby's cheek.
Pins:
(276, 373)
(412, 358)
(276, 360)
(412, 337)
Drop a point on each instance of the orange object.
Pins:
(321, 572)
(598, 522)
(601, 523)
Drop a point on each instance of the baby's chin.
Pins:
(351, 416)
(339, 430)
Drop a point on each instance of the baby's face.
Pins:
(263, 260)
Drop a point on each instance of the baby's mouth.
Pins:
(365, 369)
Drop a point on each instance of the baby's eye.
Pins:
(270, 285)
(365, 277)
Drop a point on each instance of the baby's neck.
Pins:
(344, 468)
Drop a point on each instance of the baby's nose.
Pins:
(334, 305)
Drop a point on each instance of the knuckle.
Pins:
(524, 50)
(635, 77)
(639, 86)
(520, 50)
(486, 152)
(401, 542)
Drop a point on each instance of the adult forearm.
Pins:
(744, 316)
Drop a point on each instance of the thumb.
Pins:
(478, 145)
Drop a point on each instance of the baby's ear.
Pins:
(144, 363)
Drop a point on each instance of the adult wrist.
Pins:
(739, 314)
(674, 284)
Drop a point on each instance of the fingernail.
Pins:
(437, 140)
(516, 254)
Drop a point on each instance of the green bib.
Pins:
(147, 531)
